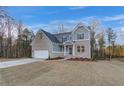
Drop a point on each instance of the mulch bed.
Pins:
(57, 58)
(79, 59)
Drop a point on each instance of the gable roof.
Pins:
(64, 33)
(50, 36)
(80, 25)
(57, 38)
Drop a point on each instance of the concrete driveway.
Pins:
(7, 64)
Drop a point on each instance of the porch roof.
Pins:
(67, 43)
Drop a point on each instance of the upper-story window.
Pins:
(80, 36)
(64, 39)
(69, 37)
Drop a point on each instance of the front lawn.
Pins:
(64, 73)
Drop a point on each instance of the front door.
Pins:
(70, 50)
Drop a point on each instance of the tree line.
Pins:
(103, 44)
(15, 39)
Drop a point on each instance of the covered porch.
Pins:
(68, 49)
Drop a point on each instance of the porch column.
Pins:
(64, 50)
(73, 50)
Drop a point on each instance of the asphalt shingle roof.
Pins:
(51, 37)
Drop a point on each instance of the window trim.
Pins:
(80, 36)
(82, 48)
(64, 38)
(78, 48)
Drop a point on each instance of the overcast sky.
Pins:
(49, 18)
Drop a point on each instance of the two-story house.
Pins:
(75, 43)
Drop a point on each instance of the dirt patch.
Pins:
(120, 59)
(64, 73)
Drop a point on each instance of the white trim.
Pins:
(75, 40)
(73, 51)
(56, 52)
(64, 50)
(81, 40)
(67, 43)
(76, 27)
(90, 44)
(89, 49)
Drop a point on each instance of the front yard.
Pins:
(64, 73)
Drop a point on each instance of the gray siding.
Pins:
(81, 30)
(56, 47)
(41, 44)
(86, 53)
(55, 54)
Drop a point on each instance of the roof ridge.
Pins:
(62, 33)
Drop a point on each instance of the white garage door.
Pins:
(41, 54)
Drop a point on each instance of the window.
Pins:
(40, 35)
(82, 48)
(64, 38)
(78, 48)
(80, 36)
(69, 37)
(61, 48)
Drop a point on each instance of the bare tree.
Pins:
(93, 25)
(7, 24)
(101, 45)
(3, 29)
(10, 28)
(19, 39)
(101, 42)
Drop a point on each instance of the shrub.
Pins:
(79, 59)
(56, 58)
